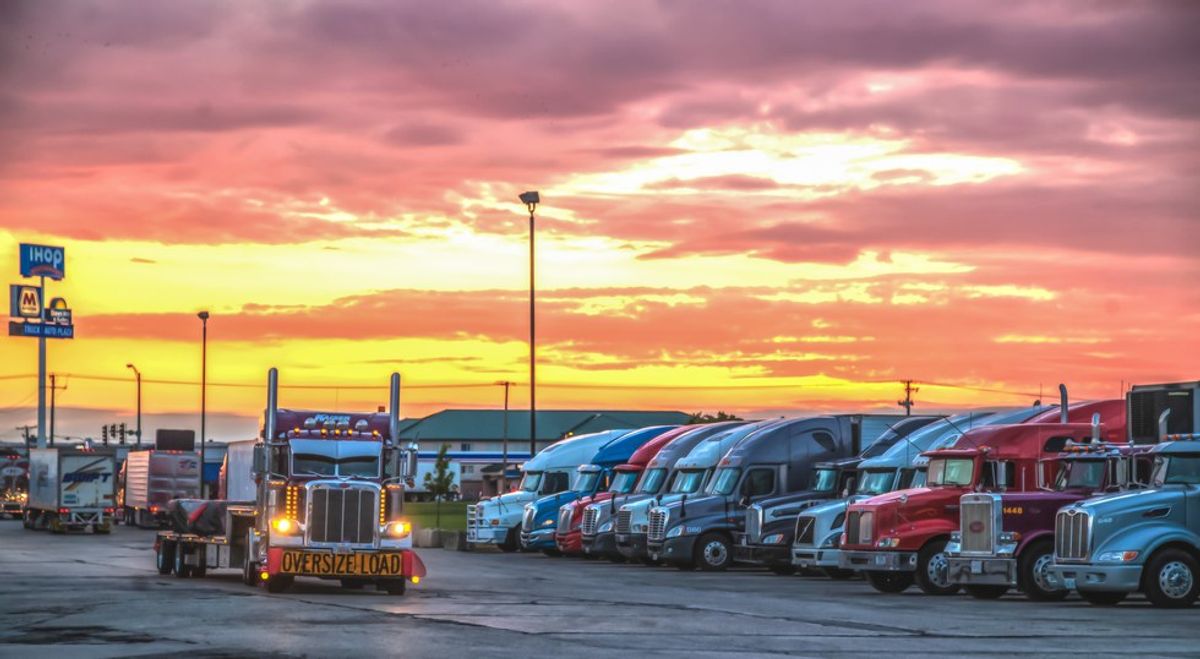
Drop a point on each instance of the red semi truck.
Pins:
(625, 479)
(901, 537)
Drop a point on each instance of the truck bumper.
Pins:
(538, 539)
(569, 543)
(761, 554)
(878, 561)
(982, 571)
(1086, 576)
(632, 545)
(807, 557)
(411, 566)
(487, 535)
(601, 544)
(673, 550)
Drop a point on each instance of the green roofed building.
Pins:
(476, 437)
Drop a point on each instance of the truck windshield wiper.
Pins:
(312, 473)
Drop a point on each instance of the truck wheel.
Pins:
(982, 592)
(182, 570)
(1034, 574)
(249, 567)
(394, 586)
(932, 576)
(783, 570)
(715, 553)
(1102, 597)
(889, 582)
(512, 540)
(164, 558)
(837, 573)
(279, 583)
(1170, 579)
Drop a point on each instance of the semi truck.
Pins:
(819, 529)
(569, 537)
(772, 461)
(1148, 540)
(770, 525)
(542, 518)
(689, 477)
(71, 489)
(328, 503)
(598, 531)
(900, 538)
(497, 521)
(148, 480)
(14, 483)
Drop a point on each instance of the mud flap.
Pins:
(274, 560)
(412, 565)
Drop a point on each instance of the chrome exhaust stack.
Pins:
(1062, 403)
(1096, 428)
(269, 429)
(1162, 425)
(394, 411)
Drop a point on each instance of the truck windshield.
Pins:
(919, 477)
(530, 481)
(825, 480)
(652, 481)
(586, 481)
(951, 471)
(876, 482)
(725, 480)
(1081, 474)
(1177, 470)
(311, 464)
(623, 482)
(688, 482)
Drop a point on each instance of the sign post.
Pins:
(40, 261)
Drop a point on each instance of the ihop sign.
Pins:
(43, 261)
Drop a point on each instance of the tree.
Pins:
(440, 482)
(701, 417)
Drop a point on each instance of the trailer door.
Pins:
(86, 481)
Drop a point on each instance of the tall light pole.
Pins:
(203, 316)
(504, 460)
(138, 374)
(531, 200)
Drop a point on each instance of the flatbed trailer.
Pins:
(192, 554)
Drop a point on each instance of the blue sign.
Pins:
(17, 328)
(43, 261)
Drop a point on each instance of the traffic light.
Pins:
(104, 434)
(122, 434)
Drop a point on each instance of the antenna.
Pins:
(908, 403)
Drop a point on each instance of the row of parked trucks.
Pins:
(1099, 497)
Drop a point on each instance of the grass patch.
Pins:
(423, 515)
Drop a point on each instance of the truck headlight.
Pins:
(1010, 537)
(605, 527)
(773, 539)
(495, 521)
(549, 522)
(1117, 556)
(399, 529)
(888, 543)
(683, 530)
(285, 526)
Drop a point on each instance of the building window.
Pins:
(464, 447)
(468, 469)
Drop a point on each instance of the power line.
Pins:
(1009, 392)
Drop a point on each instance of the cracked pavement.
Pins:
(99, 596)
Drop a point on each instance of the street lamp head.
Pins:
(530, 199)
(203, 315)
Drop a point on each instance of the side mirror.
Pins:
(259, 465)
(409, 469)
(744, 501)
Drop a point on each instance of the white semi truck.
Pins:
(71, 489)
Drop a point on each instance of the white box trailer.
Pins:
(152, 478)
(419, 492)
(71, 488)
(237, 472)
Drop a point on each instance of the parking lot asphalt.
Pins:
(99, 596)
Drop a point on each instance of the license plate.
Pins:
(881, 560)
(1069, 584)
(321, 564)
(976, 567)
(804, 564)
(653, 556)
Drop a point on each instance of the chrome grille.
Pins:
(754, 520)
(1071, 528)
(591, 518)
(866, 522)
(342, 514)
(657, 527)
(977, 523)
(527, 520)
(624, 517)
(564, 518)
(852, 527)
(805, 527)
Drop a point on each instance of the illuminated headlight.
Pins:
(605, 527)
(637, 528)
(549, 522)
(285, 526)
(1117, 556)
(888, 543)
(683, 530)
(399, 529)
(773, 539)
(1009, 537)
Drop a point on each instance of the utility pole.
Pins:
(908, 403)
(26, 432)
(504, 462)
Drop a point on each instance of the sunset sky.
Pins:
(749, 206)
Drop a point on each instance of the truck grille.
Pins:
(1071, 528)
(591, 518)
(657, 528)
(624, 517)
(527, 520)
(754, 520)
(564, 518)
(977, 523)
(858, 527)
(805, 527)
(341, 514)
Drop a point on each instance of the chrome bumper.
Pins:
(878, 561)
(982, 571)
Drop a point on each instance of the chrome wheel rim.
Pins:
(937, 572)
(1176, 580)
(715, 553)
(1041, 573)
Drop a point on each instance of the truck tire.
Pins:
(889, 582)
(1033, 573)
(1171, 579)
(394, 586)
(714, 553)
(837, 573)
(249, 567)
(1102, 597)
(164, 558)
(985, 592)
(181, 569)
(512, 540)
(279, 583)
(932, 576)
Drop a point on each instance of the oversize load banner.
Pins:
(323, 564)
